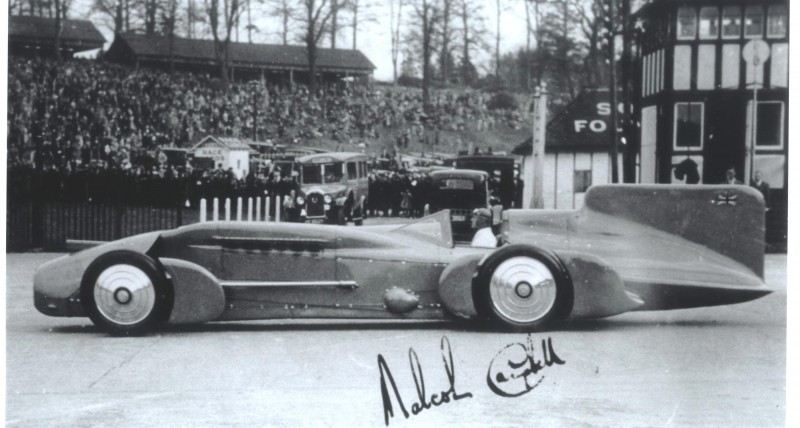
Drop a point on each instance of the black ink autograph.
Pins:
(512, 371)
(424, 402)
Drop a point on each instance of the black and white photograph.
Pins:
(405, 213)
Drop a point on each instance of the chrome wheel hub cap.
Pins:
(124, 294)
(522, 289)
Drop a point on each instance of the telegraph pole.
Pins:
(613, 87)
(537, 153)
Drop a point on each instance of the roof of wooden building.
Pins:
(76, 33)
(256, 55)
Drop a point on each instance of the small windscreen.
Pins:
(312, 174)
(434, 228)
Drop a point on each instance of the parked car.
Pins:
(460, 191)
(501, 174)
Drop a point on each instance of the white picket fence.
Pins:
(253, 212)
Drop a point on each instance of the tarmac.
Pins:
(720, 366)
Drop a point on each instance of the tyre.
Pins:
(358, 216)
(522, 288)
(126, 293)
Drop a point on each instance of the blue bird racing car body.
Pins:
(630, 247)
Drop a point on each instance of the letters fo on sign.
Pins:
(598, 125)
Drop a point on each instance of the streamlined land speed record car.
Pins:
(630, 247)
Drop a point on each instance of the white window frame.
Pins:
(675, 146)
(781, 129)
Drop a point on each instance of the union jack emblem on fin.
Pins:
(725, 198)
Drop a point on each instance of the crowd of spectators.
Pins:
(88, 130)
(78, 113)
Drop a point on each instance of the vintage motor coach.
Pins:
(333, 187)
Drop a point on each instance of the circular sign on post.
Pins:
(755, 52)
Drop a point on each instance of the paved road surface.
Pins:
(722, 366)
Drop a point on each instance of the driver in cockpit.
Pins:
(482, 224)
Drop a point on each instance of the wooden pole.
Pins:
(537, 154)
(613, 88)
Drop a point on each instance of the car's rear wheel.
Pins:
(358, 216)
(126, 293)
(523, 288)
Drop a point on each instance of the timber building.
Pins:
(247, 60)
(703, 66)
(35, 36)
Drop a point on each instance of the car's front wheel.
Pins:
(126, 293)
(523, 288)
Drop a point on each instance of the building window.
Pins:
(769, 125)
(687, 23)
(753, 22)
(731, 22)
(706, 66)
(582, 181)
(352, 172)
(776, 21)
(709, 23)
(779, 71)
(682, 71)
(688, 126)
(731, 61)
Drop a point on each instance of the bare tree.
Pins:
(315, 20)
(592, 25)
(427, 14)
(151, 8)
(499, 11)
(251, 27)
(361, 11)
(62, 7)
(395, 18)
(473, 35)
(445, 54)
(114, 10)
(193, 17)
(222, 23)
(334, 27)
(170, 21)
(287, 12)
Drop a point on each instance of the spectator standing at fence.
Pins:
(762, 186)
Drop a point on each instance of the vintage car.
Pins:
(460, 191)
(333, 187)
(645, 247)
(501, 174)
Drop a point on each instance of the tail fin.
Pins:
(727, 219)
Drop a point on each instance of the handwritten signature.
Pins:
(424, 401)
(513, 370)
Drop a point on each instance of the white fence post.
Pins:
(258, 208)
(266, 208)
(227, 209)
(215, 215)
(277, 209)
(239, 208)
(250, 209)
(203, 209)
